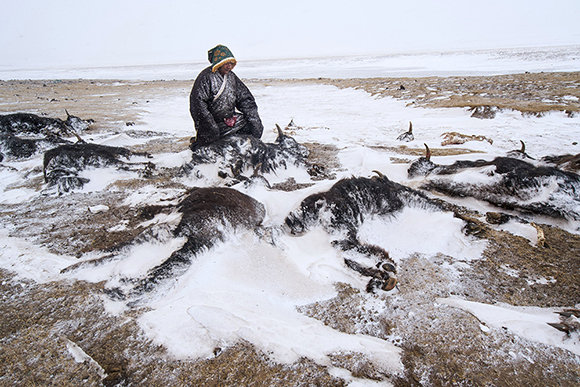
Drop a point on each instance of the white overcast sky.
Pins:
(80, 33)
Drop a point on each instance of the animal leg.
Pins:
(381, 278)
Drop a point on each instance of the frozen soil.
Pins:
(442, 346)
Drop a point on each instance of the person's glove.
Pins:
(231, 121)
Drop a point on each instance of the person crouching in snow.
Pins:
(220, 103)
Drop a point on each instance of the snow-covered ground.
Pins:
(421, 64)
(248, 289)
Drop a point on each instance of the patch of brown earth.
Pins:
(517, 272)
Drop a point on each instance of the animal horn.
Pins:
(280, 133)
(71, 131)
(379, 173)
(257, 169)
(410, 127)
(427, 152)
(523, 150)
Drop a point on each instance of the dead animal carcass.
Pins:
(24, 134)
(343, 208)
(208, 216)
(237, 154)
(505, 182)
(63, 164)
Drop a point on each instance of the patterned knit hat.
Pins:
(220, 55)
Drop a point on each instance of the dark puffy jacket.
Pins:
(209, 115)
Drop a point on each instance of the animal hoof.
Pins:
(389, 267)
(389, 284)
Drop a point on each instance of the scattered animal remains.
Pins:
(456, 138)
(505, 182)
(344, 207)
(237, 154)
(210, 214)
(24, 134)
(63, 164)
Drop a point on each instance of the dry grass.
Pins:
(111, 104)
(529, 93)
(38, 320)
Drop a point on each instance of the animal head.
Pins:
(289, 145)
(302, 219)
(408, 135)
(520, 153)
(423, 166)
(76, 125)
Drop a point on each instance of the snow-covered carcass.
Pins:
(24, 134)
(343, 208)
(238, 154)
(208, 216)
(506, 182)
(63, 164)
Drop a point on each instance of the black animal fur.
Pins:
(24, 134)
(514, 184)
(350, 201)
(570, 163)
(209, 214)
(27, 124)
(13, 146)
(62, 164)
(236, 154)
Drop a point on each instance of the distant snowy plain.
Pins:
(416, 64)
(247, 289)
